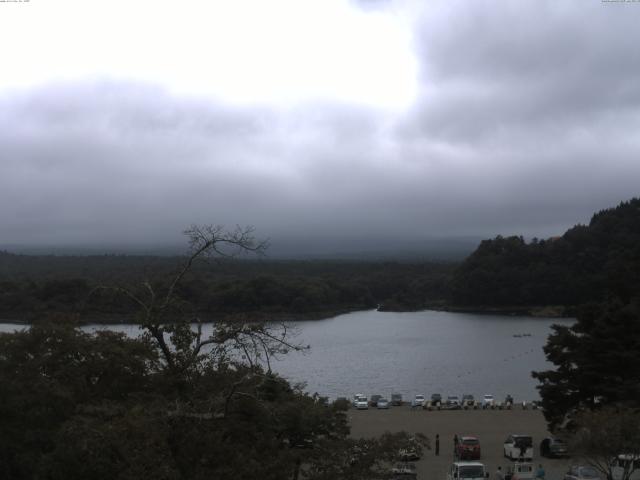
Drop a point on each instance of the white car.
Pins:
(361, 402)
(453, 403)
(518, 447)
(418, 401)
(488, 401)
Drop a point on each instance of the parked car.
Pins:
(403, 471)
(396, 399)
(518, 447)
(453, 403)
(409, 454)
(468, 400)
(467, 471)
(552, 447)
(361, 402)
(582, 472)
(436, 398)
(418, 401)
(468, 448)
(488, 401)
(382, 403)
(522, 471)
(374, 400)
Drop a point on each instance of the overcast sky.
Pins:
(125, 122)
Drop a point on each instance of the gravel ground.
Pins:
(490, 426)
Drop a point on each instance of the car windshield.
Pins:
(588, 472)
(525, 442)
(452, 399)
(471, 471)
(489, 397)
(470, 441)
(382, 400)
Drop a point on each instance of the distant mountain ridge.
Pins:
(587, 263)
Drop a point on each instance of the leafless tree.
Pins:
(609, 441)
(163, 313)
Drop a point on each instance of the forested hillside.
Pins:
(34, 285)
(587, 263)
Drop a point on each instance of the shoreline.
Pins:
(125, 319)
(547, 311)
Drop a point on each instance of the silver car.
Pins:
(582, 472)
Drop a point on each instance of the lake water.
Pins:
(424, 352)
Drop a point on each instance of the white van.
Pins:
(522, 471)
(518, 447)
(467, 471)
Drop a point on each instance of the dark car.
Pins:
(396, 399)
(436, 398)
(468, 448)
(553, 448)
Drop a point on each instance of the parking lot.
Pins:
(490, 426)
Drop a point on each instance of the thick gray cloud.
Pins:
(525, 123)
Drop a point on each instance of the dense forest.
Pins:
(34, 285)
(587, 263)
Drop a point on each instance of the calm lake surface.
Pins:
(424, 352)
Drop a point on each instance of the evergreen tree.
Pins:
(597, 362)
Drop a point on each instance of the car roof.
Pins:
(469, 464)
(469, 437)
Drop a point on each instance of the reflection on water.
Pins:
(415, 352)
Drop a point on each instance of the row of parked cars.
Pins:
(517, 448)
(466, 470)
(452, 402)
